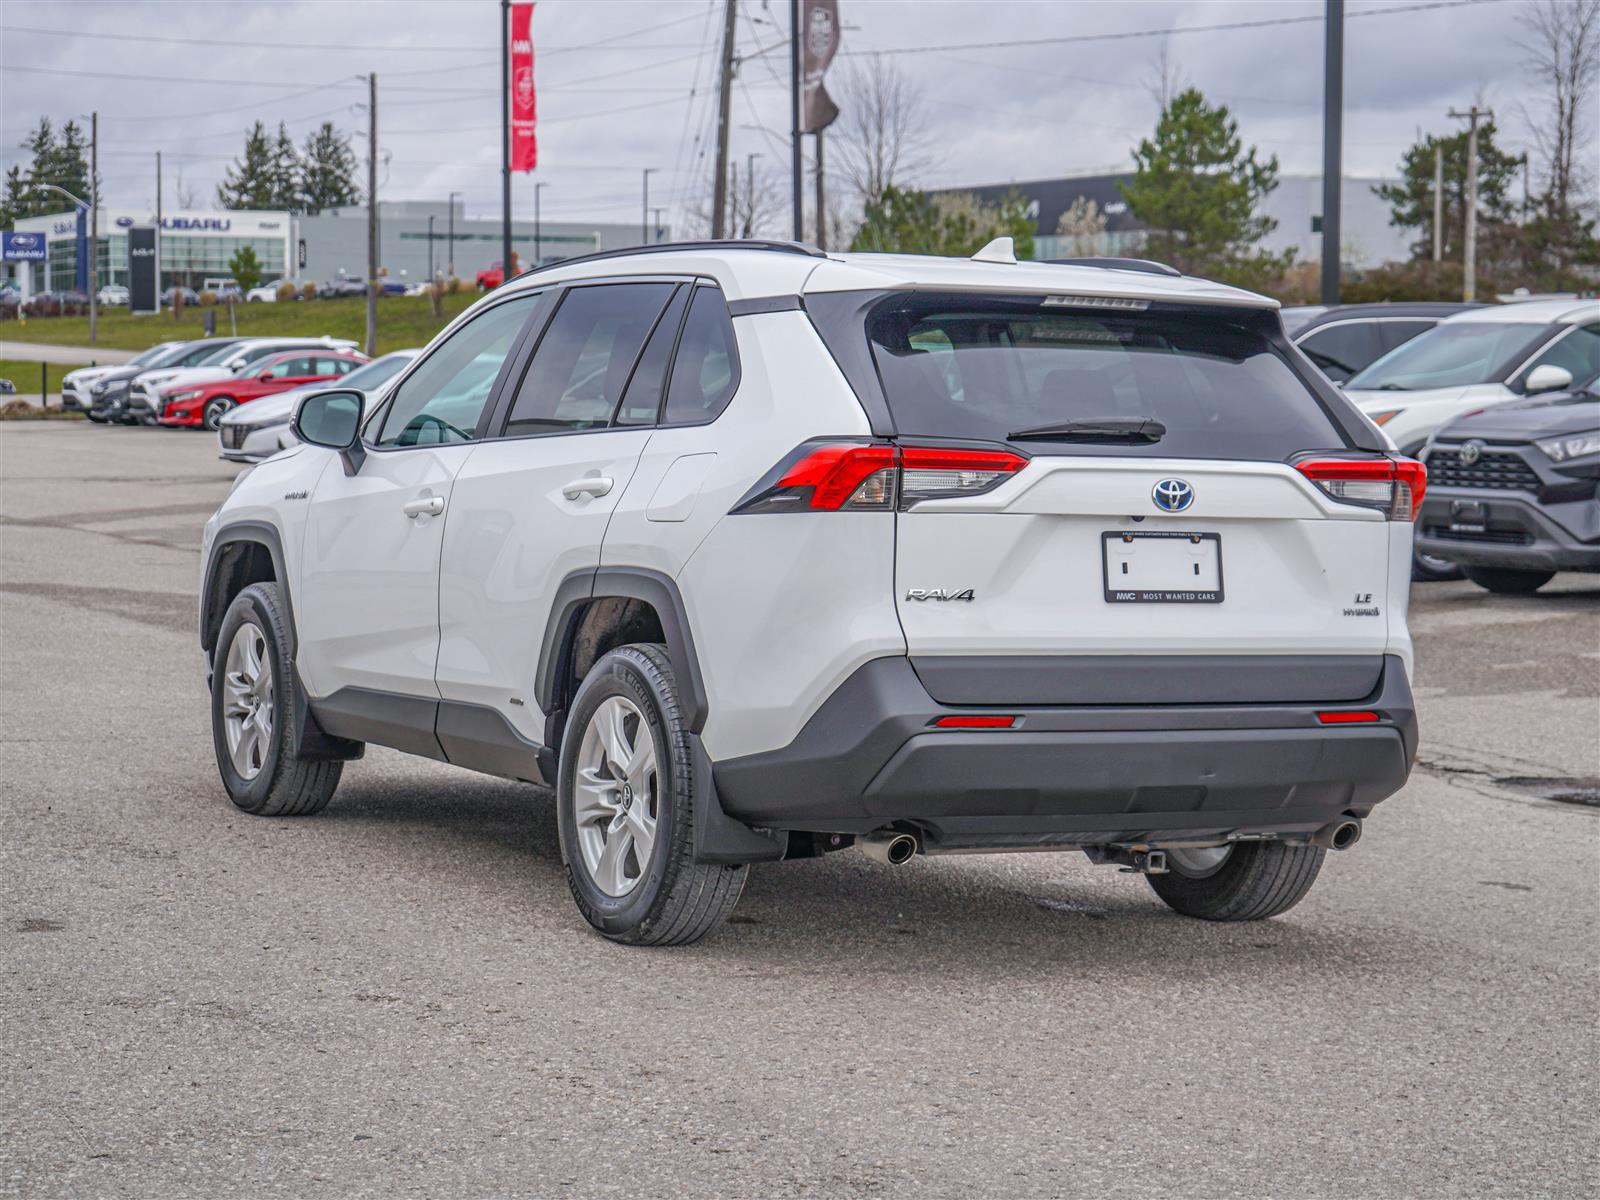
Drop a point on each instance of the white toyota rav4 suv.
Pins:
(754, 552)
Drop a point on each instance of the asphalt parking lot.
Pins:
(398, 998)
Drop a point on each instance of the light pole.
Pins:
(452, 242)
(430, 247)
(749, 192)
(538, 228)
(644, 211)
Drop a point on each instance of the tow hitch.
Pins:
(1130, 861)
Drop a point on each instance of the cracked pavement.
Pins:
(398, 998)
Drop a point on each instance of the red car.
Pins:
(491, 276)
(202, 406)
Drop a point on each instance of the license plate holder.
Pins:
(1468, 516)
(1170, 559)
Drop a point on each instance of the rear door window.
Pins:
(987, 369)
(586, 357)
(1578, 351)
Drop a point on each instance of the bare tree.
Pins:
(881, 134)
(185, 194)
(1563, 48)
(759, 204)
(1085, 224)
(1166, 79)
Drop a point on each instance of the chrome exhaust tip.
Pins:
(893, 848)
(1338, 835)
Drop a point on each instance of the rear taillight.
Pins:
(1395, 486)
(846, 476)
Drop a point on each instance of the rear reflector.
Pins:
(830, 477)
(975, 722)
(1347, 718)
(1394, 486)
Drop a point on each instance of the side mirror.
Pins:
(265, 376)
(1547, 378)
(333, 419)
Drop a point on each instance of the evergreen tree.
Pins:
(249, 182)
(13, 199)
(54, 159)
(1411, 199)
(245, 267)
(1199, 192)
(285, 172)
(903, 221)
(69, 168)
(328, 172)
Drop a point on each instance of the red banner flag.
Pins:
(524, 145)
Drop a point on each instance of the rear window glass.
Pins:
(966, 367)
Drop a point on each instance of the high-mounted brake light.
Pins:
(830, 477)
(1395, 486)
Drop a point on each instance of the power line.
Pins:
(1144, 33)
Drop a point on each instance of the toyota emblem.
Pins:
(1172, 495)
(1470, 452)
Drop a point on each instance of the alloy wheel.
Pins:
(616, 796)
(247, 700)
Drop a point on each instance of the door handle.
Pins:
(423, 506)
(589, 485)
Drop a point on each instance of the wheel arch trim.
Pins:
(260, 533)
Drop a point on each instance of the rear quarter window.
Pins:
(985, 369)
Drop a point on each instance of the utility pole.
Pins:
(94, 226)
(505, 140)
(452, 242)
(822, 211)
(1332, 137)
(538, 228)
(158, 231)
(644, 212)
(1469, 254)
(1439, 202)
(750, 193)
(372, 214)
(733, 193)
(430, 247)
(656, 229)
(719, 195)
(794, 121)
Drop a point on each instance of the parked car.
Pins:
(1514, 491)
(262, 428)
(10, 301)
(1479, 358)
(201, 405)
(109, 395)
(341, 285)
(75, 385)
(392, 287)
(69, 303)
(491, 276)
(154, 388)
(7, 388)
(229, 292)
(113, 295)
(752, 552)
(1348, 337)
(170, 296)
(267, 293)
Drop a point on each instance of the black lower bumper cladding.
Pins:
(1067, 774)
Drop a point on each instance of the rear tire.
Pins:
(1504, 581)
(1425, 568)
(1255, 881)
(253, 705)
(625, 808)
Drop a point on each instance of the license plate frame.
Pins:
(1159, 595)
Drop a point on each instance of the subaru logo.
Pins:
(124, 222)
(24, 241)
(1470, 452)
(1172, 495)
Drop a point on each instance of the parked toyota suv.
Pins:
(751, 552)
(1516, 493)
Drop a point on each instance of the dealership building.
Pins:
(414, 237)
(1296, 204)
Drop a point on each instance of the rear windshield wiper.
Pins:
(1131, 431)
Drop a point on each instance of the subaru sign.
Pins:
(143, 288)
(22, 247)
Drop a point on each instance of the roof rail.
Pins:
(722, 244)
(1148, 266)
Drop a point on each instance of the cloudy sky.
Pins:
(627, 84)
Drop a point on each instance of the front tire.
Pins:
(253, 706)
(1505, 581)
(625, 804)
(1252, 881)
(1425, 568)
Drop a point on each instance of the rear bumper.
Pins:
(1519, 532)
(1073, 774)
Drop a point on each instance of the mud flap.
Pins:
(718, 838)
